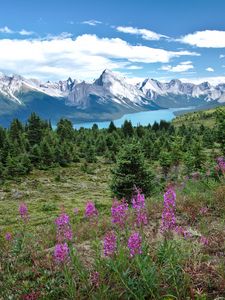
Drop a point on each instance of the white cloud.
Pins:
(91, 22)
(132, 67)
(205, 39)
(84, 57)
(6, 29)
(221, 56)
(182, 67)
(214, 80)
(144, 33)
(209, 69)
(25, 32)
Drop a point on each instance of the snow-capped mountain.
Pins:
(107, 97)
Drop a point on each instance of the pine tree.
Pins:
(130, 171)
(65, 130)
(112, 127)
(15, 130)
(34, 129)
(127, 129)
(35, 155)
(47, 154)
(165, 160)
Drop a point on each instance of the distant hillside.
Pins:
(206, 117)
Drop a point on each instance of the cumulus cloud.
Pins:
(6, 29)
(144, 33)
(213, 80)
(132, 67)
(209, 69)
(25, 32)
(84, 57)
(205, 39)
(182, 67)
(221, 56)
(91, 22)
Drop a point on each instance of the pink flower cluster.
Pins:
(110, 244)
(138, 201)
(138, 204)
(183, 232)
(94, 278)
(203, 210)
(23, 210)
(168, 214)
(221, 164)
(8, 236)
(119, 213)
(203, 240)
(134, 244)
(64, 231)
(61, 253)
(90, 210)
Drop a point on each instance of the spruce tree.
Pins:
(131, 171)
(34, 129)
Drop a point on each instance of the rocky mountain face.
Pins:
(109, 96)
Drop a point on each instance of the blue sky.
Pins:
(160, 39)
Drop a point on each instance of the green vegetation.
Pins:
(56, 172)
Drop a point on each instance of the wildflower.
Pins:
(62, 220)
(221, 164)
(76, 211)
(61, 252)
(168, 214)
(90, 210)
(94, 278)
(110, 243)
(203, 240)
(64, 231)
(138, 204)
(141, 218)
(203, 210)
(138, 201)
(134, 244)
(119, 212)
(23, 210)
(8, 236)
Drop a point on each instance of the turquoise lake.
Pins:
(143, 118)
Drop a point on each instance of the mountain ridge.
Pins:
(110, 95)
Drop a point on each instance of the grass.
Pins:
(169, 268)
(46, 192)
(206, 118)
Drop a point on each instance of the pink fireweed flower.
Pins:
(203, 240)
(110, 244)
(141, 218)
(119, 212)
(168, 214)
(138, 204)
(8, 236)
(138, 201)
(61, 253)
(221, 164)
(63, 228)
(94, 278)
(62, 220)
(134, 244)
(90, 210)
(203, 210)
(23, 210)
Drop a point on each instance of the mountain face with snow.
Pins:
(108, 97)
